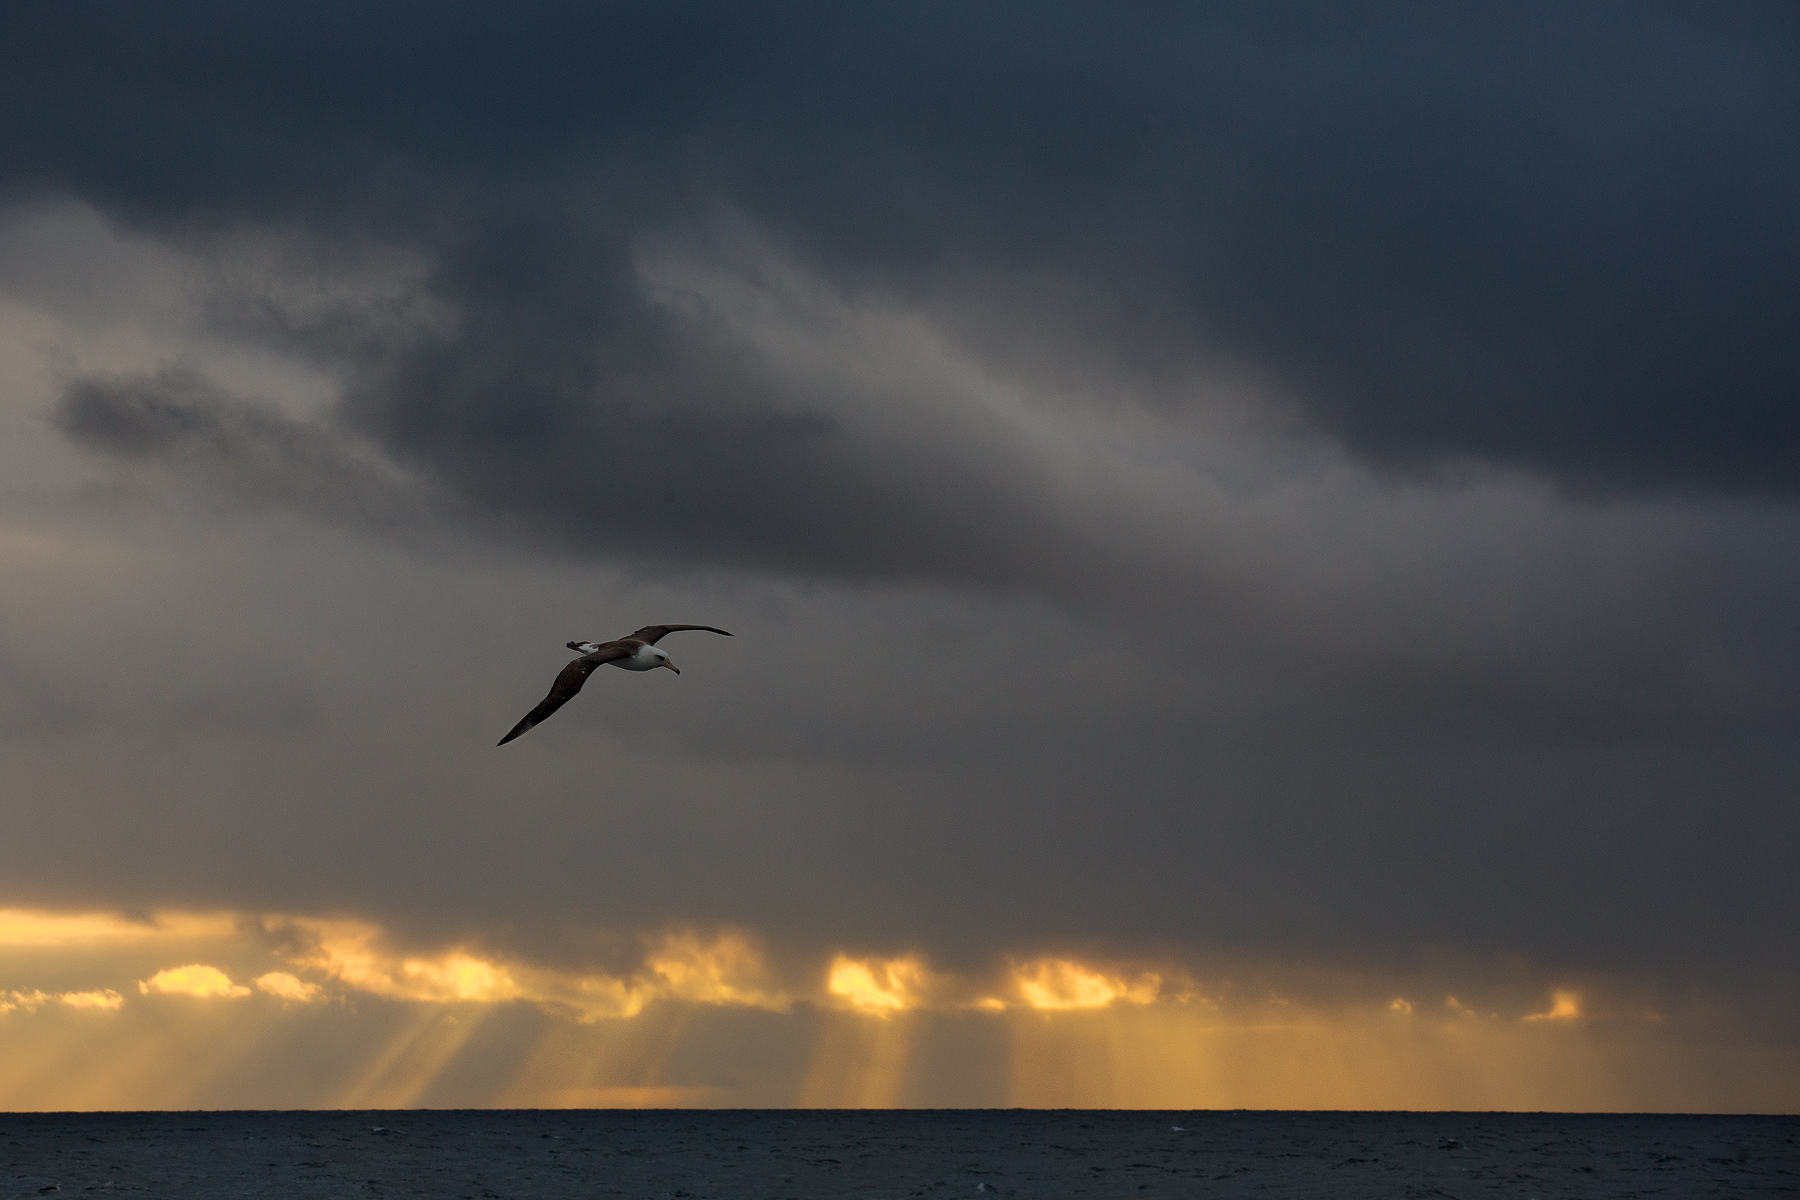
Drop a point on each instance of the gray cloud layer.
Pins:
(1556, 239)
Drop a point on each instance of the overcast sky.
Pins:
(1302, 508)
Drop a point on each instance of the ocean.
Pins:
(678, 1155)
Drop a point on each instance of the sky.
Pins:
(1262, 546)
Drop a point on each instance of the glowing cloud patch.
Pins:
(724, 971)
(287, 986)
(727, 970)
(1058, 983)
(197, 979)
(877, 986)
(458, 976)
(596, 997)
(1564, 1006)
(102, 998)
(1401, 1005)
(350, 952)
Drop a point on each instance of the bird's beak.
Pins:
(671, 666)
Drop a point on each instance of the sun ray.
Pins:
(859, 1061)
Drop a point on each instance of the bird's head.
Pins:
(662, 660)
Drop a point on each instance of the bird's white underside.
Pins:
(644, 658)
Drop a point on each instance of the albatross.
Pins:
(635, 652)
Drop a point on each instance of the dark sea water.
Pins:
(663, 1155)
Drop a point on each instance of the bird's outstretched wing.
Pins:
(568, 682)
(650, 633)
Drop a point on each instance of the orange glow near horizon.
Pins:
(239, 1010)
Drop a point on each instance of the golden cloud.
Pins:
(725, 970)
(287, 986)
(196, 979)
(881, 987)
(352, 953)
(102, 998)
(1564, 1006)
(1060, 983)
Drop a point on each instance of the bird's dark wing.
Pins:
(568, 682)
(650, 633)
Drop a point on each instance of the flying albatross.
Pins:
(634, 652)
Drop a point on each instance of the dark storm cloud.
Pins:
(1559, 239)
(246, 452)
